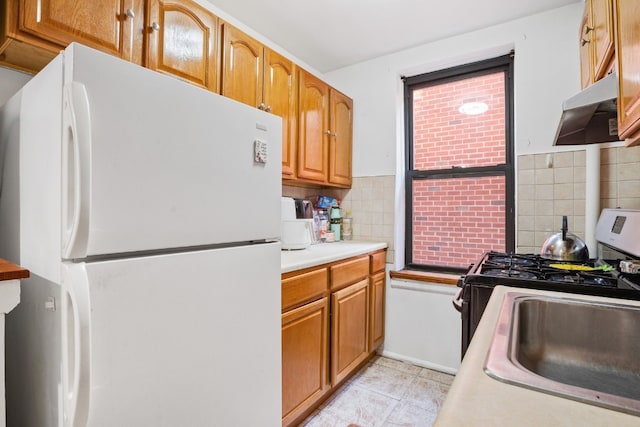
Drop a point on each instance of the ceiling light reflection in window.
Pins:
(473, 108)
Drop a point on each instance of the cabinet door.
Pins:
(341, 124)
(627, 42)
(280, 99)
(182, 41)
(602, 35)
(313, 130)
(304, 358)
(107, 25)
(376, 311)
(586, 74)
(241, 67)
(349, 329)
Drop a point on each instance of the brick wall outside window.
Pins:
(456, 220)
(444, 137)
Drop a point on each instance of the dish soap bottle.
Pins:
(336, 221)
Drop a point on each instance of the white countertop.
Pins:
(322, 253)
(477, 400)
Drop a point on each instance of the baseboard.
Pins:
(418, 362)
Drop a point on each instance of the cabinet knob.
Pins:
(334, 134)
(584, 41)
(588, 29)
(155, 26)
(130, 13)
(261, 106)
(268, 109)
(328, 132)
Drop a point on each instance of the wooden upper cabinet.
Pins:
(257, 76)
(242, 60)
(602, 36)
(313, 128)
(628, 56)
(182, 40)
(325, 128)
(585, 38)
(107, 25)
(280, 98)
(340, 141)
(34, 31)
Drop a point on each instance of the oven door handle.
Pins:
(457, 300)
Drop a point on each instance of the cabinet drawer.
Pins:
(304, 287)
(349, 272)
(378, 260)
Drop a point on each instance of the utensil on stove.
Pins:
(577, 267)
(564, 246)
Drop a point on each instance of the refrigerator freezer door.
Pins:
(191, 339)
(150, 162)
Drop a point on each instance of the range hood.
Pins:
(591, 116)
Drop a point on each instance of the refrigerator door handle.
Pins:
(75, 352)
(76, 171)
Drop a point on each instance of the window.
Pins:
(459, 165)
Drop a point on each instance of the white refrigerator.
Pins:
(148, 212)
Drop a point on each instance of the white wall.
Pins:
(421, 325)
(10, 82)
(546, 73)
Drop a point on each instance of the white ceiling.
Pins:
(331, 34)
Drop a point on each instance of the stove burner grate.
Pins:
(512, 273)
(510, 260)
(530, 268)
(582, 279)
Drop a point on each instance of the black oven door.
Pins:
(471, 300)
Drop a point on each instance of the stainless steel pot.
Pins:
(565, 246)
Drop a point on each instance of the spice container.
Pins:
(347, 226)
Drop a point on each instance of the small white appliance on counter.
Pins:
(150, 304)
(296, 233)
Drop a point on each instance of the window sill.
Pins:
(422, 276)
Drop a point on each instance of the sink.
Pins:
(578, 349)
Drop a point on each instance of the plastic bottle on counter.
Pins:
(323, 227)
(336, 222)
(347, 226)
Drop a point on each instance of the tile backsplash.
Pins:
(371, 203)
(549, 185)
(553, 184)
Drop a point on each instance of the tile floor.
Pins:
(385, 393)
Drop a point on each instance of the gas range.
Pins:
(595, 277)
(618, 236)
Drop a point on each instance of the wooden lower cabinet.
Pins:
(376, 310)
(332, 323)
(349, 329)
(305, 361)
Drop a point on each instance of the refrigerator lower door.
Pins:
(190, 339)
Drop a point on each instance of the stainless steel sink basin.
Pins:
(577, 349)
